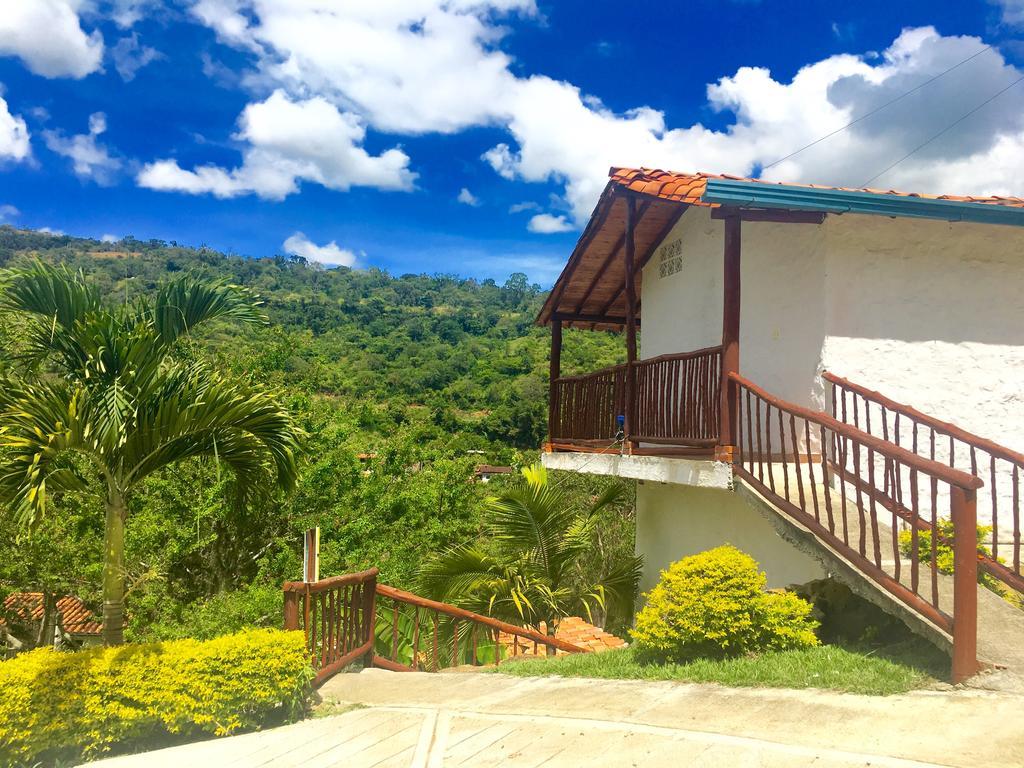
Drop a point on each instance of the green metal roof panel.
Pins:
(761, 195)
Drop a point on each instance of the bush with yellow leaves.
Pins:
(60, 706)
(714, 604)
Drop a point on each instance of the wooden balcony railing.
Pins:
(830, 477)
(351, 618)
(997, 466)
(676, 401)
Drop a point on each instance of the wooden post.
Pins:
(730, 339)
(554, 372)
(964, 512)
(630, 291)
(370, 616)
(291, 610)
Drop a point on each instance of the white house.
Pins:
(809, 373)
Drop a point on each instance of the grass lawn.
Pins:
(878, 672)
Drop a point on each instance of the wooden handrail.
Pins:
(639, 363)
(679, 355)
(592, 374)
(312, 587)
(461, 613)
(940, 471)
(950, 430)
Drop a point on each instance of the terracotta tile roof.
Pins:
(76, 618)
(573, 630)
(590, 291)
(689, 187)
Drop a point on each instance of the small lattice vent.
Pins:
(670, 258)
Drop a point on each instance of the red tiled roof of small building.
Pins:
(689, 187)
(75, 617)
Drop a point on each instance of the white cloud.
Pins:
(109, 238)
(468, 198)
(8, 213)
(90, 160)
(524, 206)
(437, 66)
(14, 144)
(129, 56)
(330, 254)
(547, 224)
(48, 37)
(50, 231)
(127, 12)
(1011, 12)
(288, 142)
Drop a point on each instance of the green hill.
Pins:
(423, 375)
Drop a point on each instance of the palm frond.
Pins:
(196, 411)
(182, 305)
(50, 292)
(40, 425)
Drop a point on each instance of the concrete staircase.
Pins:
(1000, 623)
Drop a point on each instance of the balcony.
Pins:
(663, 406)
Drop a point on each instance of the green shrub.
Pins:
(61, 706)
(713, 605)
(944, 556)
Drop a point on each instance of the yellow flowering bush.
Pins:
(714, 604)
(59, 706)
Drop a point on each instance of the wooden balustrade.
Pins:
(418, 634)
(997, 466)
(337, 615)
(677, 401)
(830, 477)
(352, 617)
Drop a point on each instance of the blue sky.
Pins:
(473, 136)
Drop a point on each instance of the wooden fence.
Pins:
(352, 617)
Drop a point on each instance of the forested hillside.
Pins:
(402, 384)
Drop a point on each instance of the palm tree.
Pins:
(109, 395)
(532, 572)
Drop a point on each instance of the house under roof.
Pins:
(590, 292)
(75, 617)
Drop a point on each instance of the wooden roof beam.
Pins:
(610, 258)
(673, 219)
(773, 215)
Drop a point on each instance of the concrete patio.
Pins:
(432, 720)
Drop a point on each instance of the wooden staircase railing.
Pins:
(352, 617)
(415, 633)
(832, 477)
(999, 467)
(337, 615)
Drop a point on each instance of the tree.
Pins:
(532, 573)
(114, 388)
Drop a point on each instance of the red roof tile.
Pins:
(76, 618)
(689, 187)
(573, 630)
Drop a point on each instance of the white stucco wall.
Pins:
(673, 521)
(929, 313)
(782, 301)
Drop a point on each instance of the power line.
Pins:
(877, 109)
(949, 127)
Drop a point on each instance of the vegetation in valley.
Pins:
(401, 384)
